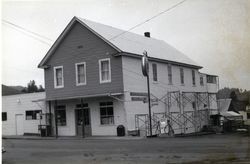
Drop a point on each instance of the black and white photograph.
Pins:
(125, 81)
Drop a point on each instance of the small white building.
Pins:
(246, 115)
(21, 113)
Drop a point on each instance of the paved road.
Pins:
(203, 149)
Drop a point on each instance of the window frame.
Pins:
(193, 77)
(170, 74)
(154, 72)
(182, 76)
(100, 71)
(211, 79)
(33, 111)
(201, 81)
(55, 78)
(106, 106)
(6, 117)
(76, 73)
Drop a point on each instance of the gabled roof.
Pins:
(238, 106)
(223, 104)
(127, 42)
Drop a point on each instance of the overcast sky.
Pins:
(214, 33)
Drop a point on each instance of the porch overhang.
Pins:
(86, 96)
(39, 100)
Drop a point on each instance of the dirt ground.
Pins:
(189, 150)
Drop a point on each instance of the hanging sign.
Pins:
(144, 64)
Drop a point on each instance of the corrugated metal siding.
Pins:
(68, 53)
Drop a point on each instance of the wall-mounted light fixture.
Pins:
(18, 101)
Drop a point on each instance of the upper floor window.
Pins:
(193, 77)
(58, 77)
(170, 74)
(32, 114)
(104, 70)
(154, 70)
(211, 79)
(106, 113)
(182, 75)
(4, 116)
(80, 73)
(201, 81)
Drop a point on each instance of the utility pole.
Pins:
(145, 70)
(83, 119)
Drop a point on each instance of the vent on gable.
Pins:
(80, 46)
(147, 34)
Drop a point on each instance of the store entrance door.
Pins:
(83, 126)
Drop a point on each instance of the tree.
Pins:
(233, 96)
(226, 92)
(32, 87)
(41, 89)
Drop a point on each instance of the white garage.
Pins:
(21, 113)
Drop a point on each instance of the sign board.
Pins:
(144, 64)
(139, 94)
(154, 101)
(139, 99)
(145, 100)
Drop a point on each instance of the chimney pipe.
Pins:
(147, 34)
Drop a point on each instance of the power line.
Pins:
(29, 31)
(44, 37)
(147, 20)
(32, 36)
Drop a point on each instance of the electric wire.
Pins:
(25, 29)
(147, 20)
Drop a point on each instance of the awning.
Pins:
(38, 100)
(86, 96)
(232, 115)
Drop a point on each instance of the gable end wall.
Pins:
(81, 45)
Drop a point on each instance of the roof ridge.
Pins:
(128, 42)
(126, 31)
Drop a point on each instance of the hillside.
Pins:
(7, 90)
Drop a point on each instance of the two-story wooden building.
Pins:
(91, 70)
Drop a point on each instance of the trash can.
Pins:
(43, 130)
(48, 130)
(120, 130)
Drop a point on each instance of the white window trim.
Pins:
(61, 86)
(100, 72)
(76, 64)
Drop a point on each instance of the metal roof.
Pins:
(136, 44)
(223, 104)
(129, 42)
